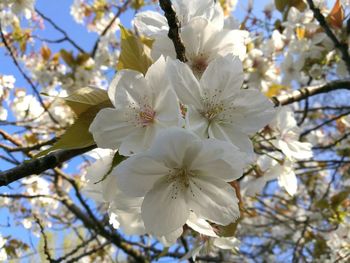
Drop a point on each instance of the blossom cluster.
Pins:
(185, 129)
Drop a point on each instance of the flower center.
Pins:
(146, 116)
(199, 64)
(181, 176)
(213, 111)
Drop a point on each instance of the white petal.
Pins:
(220, 43)
(162, 210)
(217, 159)
(150, 23)
(200, 225)
(138, 173)
(139, 140)
(197, 123)
(226, 243)
(171, 238)
(213, 199)
(171, 145)
(129, 87)
(109, 128)
(163, 46)
(257, 110)
(223, 78)
(230, 133)
(289, 181)
(131, 223)
(184, 83)
(195, 35)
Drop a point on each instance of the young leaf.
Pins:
(134, 54)
(336, 16)
(85, 98)
(77, 135)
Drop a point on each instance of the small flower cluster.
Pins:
(185, 128)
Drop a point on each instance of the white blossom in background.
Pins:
(153, 24)
(270, 170)
(203, 42)
(217, 107)
(96, 175)
(26, 106)
(291, 68)
(288, 136)
(25, 7)
(144, 105)
(211, 240)
(182, 173)
(262, 71)
(3, 253)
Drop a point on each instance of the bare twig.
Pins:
(59, 29)
(174, 28)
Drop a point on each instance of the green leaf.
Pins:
(137, 4)
(85, 98)
(82, 58)
(67, 57)
(337, 199)
(281, 5)
(134, 54)
(77, 135)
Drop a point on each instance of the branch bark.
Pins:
(307, 92)
(40, 165)
(174, 29)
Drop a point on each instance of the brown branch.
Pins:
(174, 28)
(342, 47)
(40, 165)
(306, 92)
(59, 29)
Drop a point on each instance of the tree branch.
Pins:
(307, 92)
(40, 165)
(342, 47)
(64, 33)
(174, 28)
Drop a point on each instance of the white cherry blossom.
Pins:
(182, 173)
(217, 107)
(143, 106)
(203, 43)
(152, 23)
(288, 136)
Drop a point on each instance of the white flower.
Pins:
(182, 173)
(143, 106)
(203, 43)
(26, 6)
(3, 253)
(217, 106)
(96, 180)
(152, 23)
(292, 69)
(211, 242)
(288, 136)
